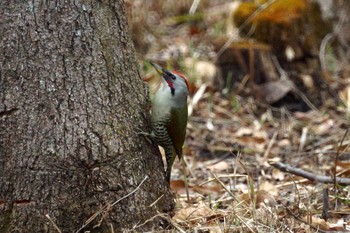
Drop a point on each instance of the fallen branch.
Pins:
(308, 175)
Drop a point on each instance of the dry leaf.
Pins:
(220, 166)
(278, 174)
(205, 190)
(178, 186)
(193, 213)
(203, 71)
(343, 161)
(269, 187)
(308, 81)
(324, 127)
(345, 97)
(340, 225)
(317, 222)
(246, 198)
(284, 143)
(244, 131)
(256, 139)
(272, 92)
(306, 116)
(257, 143)
(264, 198)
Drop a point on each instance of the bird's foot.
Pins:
(149, 136)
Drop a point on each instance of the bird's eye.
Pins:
(173, 77)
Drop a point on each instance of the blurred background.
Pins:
(269, 79)
(250, 48)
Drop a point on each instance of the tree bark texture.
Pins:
(71, 103)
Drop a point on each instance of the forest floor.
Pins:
(251, 166)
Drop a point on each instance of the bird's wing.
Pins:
(177, 128)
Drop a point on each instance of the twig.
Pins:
(243, 25)
(325, 207)
(222, 184)
(218, 160)
(108, 205)
(251, 68)
(301, 220)
(54, 224)
(156, 200)
(137, 188)
(322, 54)
(151, 219)
(338, 152)
(197, 96)
(303, 139)
(316, 152)
(335, 165)
(284, 75)
(278, 186)
(242, 84)
(194, 6)
(244, 222)
(269, 146)
(184, 173)
(112, 229)
(329, 37)
(222, 176)
(308, 175)
(177, 227)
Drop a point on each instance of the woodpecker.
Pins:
(168, 95)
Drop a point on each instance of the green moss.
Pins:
(186, 18)
(280, 11)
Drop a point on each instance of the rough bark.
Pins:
(71, 101)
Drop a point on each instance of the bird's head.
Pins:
(176, 82)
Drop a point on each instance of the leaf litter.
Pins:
(235, 134)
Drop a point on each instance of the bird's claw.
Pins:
(148, 136)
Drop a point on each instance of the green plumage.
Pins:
(169, 112)
(176, 128)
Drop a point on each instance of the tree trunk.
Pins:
(71, 102)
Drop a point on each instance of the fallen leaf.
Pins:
(220, 166)
(264, 197)
(268, 187)
(308, 81)
(305, 116)
(284, 143)
(278, 174)
(203, 71)
(345, 97)
(243, 131)
(317, 222)
(246, 198)
(206, 190)
(178, 186)
(258, 140)
(272, 92)
(324, 127)
(340, 225)
(193, 213)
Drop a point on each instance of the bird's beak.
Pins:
(158, 68)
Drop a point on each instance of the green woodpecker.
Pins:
(168, 94)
